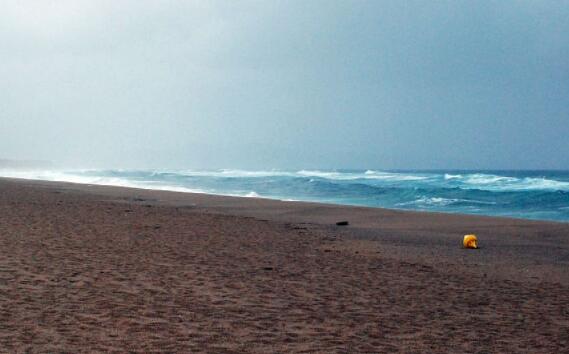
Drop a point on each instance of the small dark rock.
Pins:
(267, 268)
(342, 223)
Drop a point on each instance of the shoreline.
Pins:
(99, 268)
(93, 187)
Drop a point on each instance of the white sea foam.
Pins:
(544, 183)
(252, 194)
(438, 201)
(330, 175)
(369, 174)
(507, 183)
(484, 179)
(392, 176)
(225, 173)
(326, 175)
(243, 173)
(449, 176)
(426, 201)
(58, 176)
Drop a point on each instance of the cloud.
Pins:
(292, 83)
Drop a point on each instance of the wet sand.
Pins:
(107, 269)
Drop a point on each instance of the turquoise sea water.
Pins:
(521, 194)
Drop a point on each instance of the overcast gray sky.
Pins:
(286, 84)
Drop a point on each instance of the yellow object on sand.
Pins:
(470, 241)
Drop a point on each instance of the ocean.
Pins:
(541, 195)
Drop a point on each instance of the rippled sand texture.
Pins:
(83, 274)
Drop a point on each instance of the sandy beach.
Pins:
(108, 269)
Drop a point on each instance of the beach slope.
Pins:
(97, 269)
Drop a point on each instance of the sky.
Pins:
(285, 84)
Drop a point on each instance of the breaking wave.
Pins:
(507, 183)
(524, 194)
